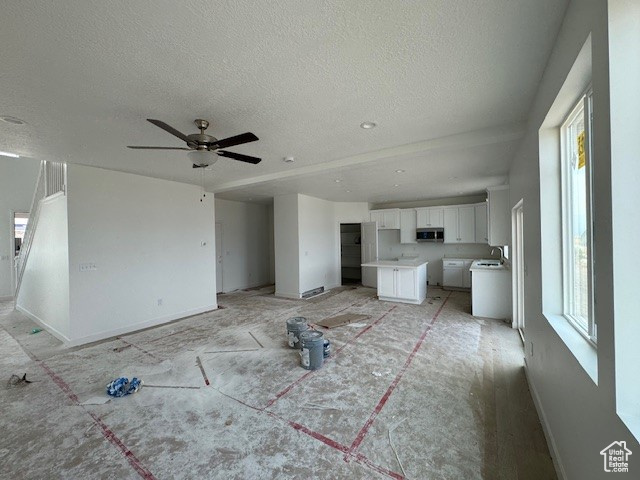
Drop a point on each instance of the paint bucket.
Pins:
(295, 326)
(311, 352)
(326, 351)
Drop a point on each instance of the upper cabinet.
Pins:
(388, 219)
(408, 225)
(481, 223)
(460, 224)
(430, 217)
(499, 216)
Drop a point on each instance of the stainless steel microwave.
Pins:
(430, 235)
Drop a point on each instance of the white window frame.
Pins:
(590, 332)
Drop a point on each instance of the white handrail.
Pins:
(51, 180)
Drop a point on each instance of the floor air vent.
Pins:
(313, 292)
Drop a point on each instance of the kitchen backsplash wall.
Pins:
(389, 247)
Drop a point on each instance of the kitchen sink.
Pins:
(488, 263)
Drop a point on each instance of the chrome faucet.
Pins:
(501, 254)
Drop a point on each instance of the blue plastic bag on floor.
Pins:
(121, 387)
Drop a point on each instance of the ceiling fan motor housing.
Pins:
(202, 141)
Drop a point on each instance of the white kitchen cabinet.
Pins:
(402, 284)
(460, 224)
(481, 223)
(408, 225)
(430, 217)
(386, 282)
(499, 216)
(406, 283)
(388, 219)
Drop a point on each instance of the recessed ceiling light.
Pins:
(288, 159)
(12, 120)
(396, 185)
(7, 154)
(368, 125)
(348, 191)
(338, 180)
(400, 171)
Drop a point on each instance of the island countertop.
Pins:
(405, 263)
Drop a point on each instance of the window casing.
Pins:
(577, 241)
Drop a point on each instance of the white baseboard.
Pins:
(295, 296)
(118, 331)
(53, 331)
(555, 456)
(139, 326)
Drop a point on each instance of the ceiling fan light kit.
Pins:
(204, 149)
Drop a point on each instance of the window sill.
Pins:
(583, 350)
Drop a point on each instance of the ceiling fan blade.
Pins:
(169, 128)
(158, 148)
(237, 140)
(199, 166)
(239, 156)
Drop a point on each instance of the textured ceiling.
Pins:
(302, 75)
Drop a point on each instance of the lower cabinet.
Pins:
(407, 285)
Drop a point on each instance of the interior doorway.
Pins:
(219, 285)
(350, 253)
(519, 269)
(18, 227)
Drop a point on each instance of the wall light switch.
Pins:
(4, 257)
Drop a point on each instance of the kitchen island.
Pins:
(402, 280)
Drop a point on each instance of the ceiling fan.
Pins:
(203, 148)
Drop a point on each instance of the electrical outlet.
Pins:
(159, 302)
(203, 243)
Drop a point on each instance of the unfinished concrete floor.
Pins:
(445, 390)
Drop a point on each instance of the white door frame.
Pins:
(369, 252)
(219, 259)
(517, 240)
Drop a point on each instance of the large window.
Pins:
(576, 218)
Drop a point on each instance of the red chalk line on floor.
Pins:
(105, 430)
(138, 348)
(283, 392)
(204, 375)
(365, 429)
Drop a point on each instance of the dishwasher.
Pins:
(455, 273)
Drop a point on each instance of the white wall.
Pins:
(144, 235)
(389, 246)
(44, 292)
(579, 415)
(286, 245)
(17, 182)
(317, 226)
(307, 241)
(246, 245)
